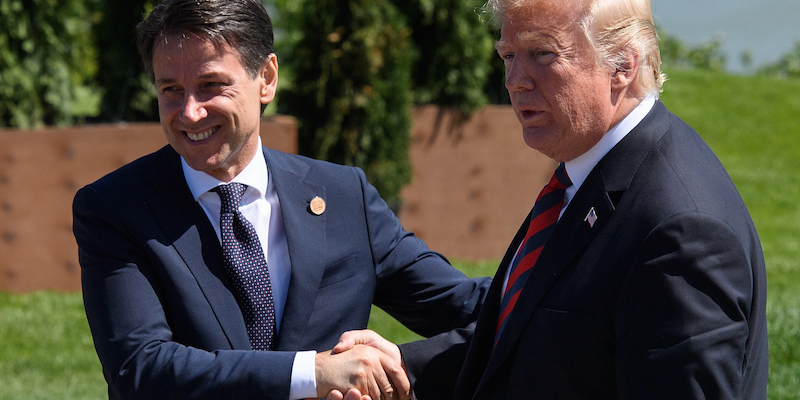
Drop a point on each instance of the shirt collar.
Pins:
(254, 175)
(579, 168)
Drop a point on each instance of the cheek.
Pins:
(581, 102)
(168, 106)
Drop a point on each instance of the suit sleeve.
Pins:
(131, 333)
(417, 286)
(681, 318)
(433, 365)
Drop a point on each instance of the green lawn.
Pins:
(46, 350)
(753, 124)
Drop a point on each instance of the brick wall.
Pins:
(473, 185)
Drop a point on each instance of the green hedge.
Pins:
(48, 62)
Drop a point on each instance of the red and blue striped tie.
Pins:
(543, 221)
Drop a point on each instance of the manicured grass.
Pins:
(46, 349)
(752, 123)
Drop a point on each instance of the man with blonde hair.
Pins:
(639, 273)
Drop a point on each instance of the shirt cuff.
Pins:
(304, 376)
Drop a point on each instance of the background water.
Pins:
(767, 28)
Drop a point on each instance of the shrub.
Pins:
(47, 62)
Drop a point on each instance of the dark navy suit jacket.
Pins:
(160, 306)
(664, 297)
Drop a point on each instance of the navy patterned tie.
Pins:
(543, 220)
(247, 267)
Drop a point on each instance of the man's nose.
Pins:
(518, 77)
(193, 110)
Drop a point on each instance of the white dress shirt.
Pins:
(261, 207)
(579, 168)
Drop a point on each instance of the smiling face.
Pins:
(209, 106)
(560, 94)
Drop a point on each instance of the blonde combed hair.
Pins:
(615, 28)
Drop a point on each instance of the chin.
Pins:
(537, 139)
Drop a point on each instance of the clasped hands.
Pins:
(362, 366)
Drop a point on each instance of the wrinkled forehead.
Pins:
(526, 9)
(533, 21)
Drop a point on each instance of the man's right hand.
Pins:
(365, 368)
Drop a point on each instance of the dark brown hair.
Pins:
(244, 25)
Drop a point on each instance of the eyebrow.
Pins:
(164, 81)
(203, 77)
(527, 37)
(212, 75)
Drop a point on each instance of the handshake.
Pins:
(362, 366)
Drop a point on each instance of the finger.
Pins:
(354, 394)
(382, 379)
(398, 379)
(372, 380)
(334, 395)
(375, 386)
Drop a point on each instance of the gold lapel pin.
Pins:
(591, 217)
(317, 205)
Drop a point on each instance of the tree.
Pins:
(129, 94)
(454, 49)
(707, 55)
(787, 66)
(350, 63)
(356, 66)
(47, 62)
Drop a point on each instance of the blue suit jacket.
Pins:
(663, 297)
(160, 306)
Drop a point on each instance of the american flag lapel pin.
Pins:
(591, 217)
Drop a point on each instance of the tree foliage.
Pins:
(47, 62)
(350, 63)
(453, 52)
(706, 56)
(129, 94)
(787, 66)
(357, 65)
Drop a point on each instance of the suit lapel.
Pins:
(473, 374)
(305, 237)
(599, 194)
(572, 234)
(188, 230)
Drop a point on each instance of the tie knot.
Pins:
(230, 196)
(560, 179)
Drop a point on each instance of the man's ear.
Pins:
(269, 79)
(626, 74)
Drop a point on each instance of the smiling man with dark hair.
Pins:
(216, 268)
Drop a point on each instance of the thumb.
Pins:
(352, 338)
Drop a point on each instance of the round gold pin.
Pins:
(317, 205)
